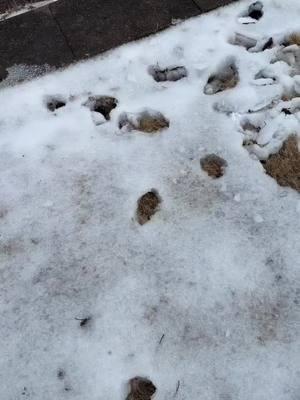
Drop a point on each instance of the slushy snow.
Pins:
(207, 292)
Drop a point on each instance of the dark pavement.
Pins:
(70, 30)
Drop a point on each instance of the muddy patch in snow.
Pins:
(141, 389)
(147, 206)
(253, 14)
(54, 103)
(213, 165)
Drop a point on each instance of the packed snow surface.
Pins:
(204, 298)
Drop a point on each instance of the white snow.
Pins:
(216, 270)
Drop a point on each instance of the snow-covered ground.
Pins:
(207, 293)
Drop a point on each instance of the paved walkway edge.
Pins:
(67, 31)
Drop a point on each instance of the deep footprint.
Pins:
(102, 105)
(141, 389)
(147, 206)
(55, 103)
(171, 74)
(213, 165)
(148, 121)
(226, 78)
(253, 14)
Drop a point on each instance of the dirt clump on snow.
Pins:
(141, 389)
(213, 165)
(147, 206)
(284, 166)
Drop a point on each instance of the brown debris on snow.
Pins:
(141, 389)
(213, 165)
(147, 206)
(284, 166)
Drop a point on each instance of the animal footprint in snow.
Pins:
(226, 78)
(54, 103)
(147, 206)
(213, 165)
(101, 107)
(141, 389)
(148, 121)
(168, 74)
(254, 13)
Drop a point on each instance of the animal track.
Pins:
(148, 121)
(226, 78)
(55, 103)
(253, 14)
(102, 105)
(147, 206)
(141, 389)
(213, 165)
(171, 74)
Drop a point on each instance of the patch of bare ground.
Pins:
(141, 389)
(284, 166)
(213, 165)
(147, 206)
